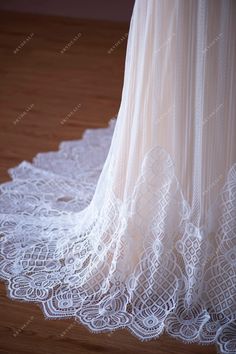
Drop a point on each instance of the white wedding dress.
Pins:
(134, 225)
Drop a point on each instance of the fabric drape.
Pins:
(134, 225)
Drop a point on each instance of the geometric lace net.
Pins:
(122, 229)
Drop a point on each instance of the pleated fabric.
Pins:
(134, 225)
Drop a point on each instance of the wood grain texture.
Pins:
(53, 84)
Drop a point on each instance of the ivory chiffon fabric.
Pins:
(134, 225)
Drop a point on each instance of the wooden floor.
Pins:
(55, 70)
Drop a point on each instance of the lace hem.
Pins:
(105, 268)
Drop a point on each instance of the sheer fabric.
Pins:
(134, 225)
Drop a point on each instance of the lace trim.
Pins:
(107, 269)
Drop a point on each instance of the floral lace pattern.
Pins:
(142, 265)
